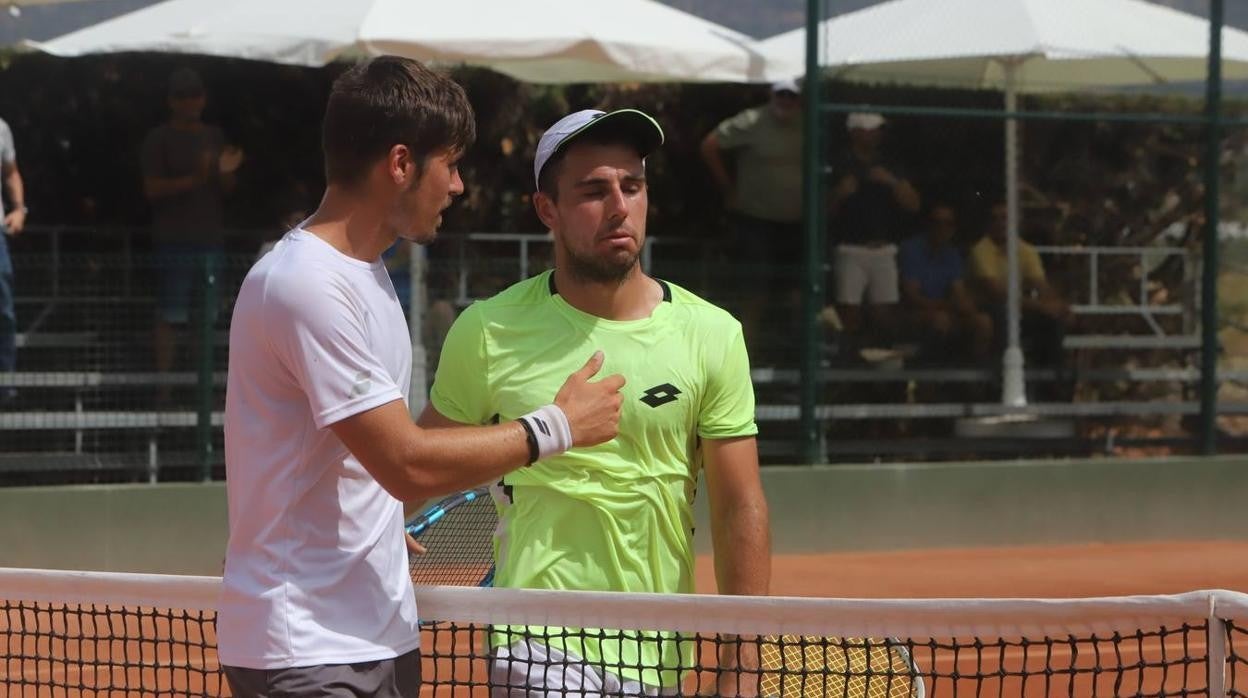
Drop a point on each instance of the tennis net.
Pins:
(107, 634)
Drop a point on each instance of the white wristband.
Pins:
(550, 427)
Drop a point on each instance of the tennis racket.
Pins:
(814, 667)
(458, 532)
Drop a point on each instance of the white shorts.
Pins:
(530, 669)
(866, 271)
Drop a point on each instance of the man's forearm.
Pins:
(914, 298)
(991, 289)
(715, 163)
(742, 540)
(906, 196)
(16, 188)
(440, 463)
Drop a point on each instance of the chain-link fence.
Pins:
(121, 359)
(866, 343)
(1109, 163)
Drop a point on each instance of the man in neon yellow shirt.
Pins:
(618, 516)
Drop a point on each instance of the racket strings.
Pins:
(458, 535)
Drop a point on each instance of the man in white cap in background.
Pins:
(871, 205)
(763, 195)
(617, 516)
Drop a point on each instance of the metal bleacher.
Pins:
(87, 393)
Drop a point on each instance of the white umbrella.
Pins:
(546, 41)
(1016, 46)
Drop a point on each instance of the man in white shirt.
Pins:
(321, 451)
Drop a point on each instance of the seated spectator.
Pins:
(1045, 314)
(936, 303)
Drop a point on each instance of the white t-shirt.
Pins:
(316, 568)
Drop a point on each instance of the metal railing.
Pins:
(1142, 305)
(81, 408)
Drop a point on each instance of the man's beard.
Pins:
(614, 270)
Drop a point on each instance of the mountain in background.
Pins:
(758, 18)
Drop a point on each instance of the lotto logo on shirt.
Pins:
(660, 395)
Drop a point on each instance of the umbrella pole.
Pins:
(1013, 388)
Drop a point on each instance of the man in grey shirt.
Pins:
(763, 194)
(187, 170)
(14, 218)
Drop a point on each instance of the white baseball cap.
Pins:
(867, 121)
(637, 126)
(789, 85)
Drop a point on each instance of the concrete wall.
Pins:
(889, 507)
(181, 528)
(174, 529)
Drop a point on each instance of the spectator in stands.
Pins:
(871, 203)
(1045, 314)
(937, 304)
(13, 223)
(187, 170)
(763, 194)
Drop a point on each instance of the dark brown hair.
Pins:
(390, 101)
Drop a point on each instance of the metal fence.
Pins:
(1128, 200)
(95, 403)
(1127, 194)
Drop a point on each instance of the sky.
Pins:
(758, 18)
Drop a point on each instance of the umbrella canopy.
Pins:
(1016, 46)
(551, 41)
(1057, 45)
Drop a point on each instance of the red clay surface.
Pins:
(1025, 571)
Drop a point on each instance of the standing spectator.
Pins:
(937, 302)
(1045, 313)
(870, 205)
(14, 222)
(187, 170)
(764, 197)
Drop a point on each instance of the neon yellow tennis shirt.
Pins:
(617, 516)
